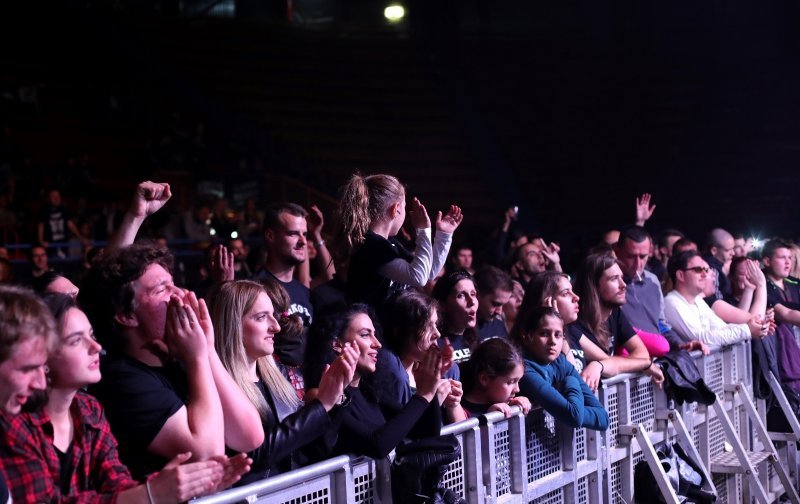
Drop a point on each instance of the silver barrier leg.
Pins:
(740, 461)
(761, 431)
(650, 455)
(675, 418)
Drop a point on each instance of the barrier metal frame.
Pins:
(535, 459)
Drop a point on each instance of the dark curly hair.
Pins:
(108, 290)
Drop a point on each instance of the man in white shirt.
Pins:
(688, 313)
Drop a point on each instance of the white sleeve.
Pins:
(687, 322)
(416, 272)
(441, 247)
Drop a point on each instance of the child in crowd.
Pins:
(61, 449)
(373, 209)
(245, 325)
(496, 368)
(549, 380)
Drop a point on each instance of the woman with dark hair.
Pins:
(458, 303)
(602, 330)
(359, 427)
(409, 322)
(50, 281)
(61, 449)
(552, 289)
(549, 380)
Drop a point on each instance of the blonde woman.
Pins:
(244, 320)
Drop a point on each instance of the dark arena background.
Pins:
(566, 109)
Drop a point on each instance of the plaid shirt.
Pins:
(31, 465)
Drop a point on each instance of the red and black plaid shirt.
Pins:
(31, 464)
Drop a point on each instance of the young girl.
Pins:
(62, 449)
(360, 427)
(409, 323)
(244, 319)
(373, 210)
(495, 368)
(458, 302)
(549, 380)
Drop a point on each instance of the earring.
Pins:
(46, 369)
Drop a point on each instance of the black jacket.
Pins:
(286, 431)
(682, 379)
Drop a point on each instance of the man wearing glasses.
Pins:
(688, 313)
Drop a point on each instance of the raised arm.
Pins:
(643, 209)
(316, 221)
(148, 198)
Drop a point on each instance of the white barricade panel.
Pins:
(502, 459)
(365, 481)
(454, 477)
(544, 455)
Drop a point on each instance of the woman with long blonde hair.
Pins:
(245, 324)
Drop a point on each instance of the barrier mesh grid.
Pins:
(502, 459)
(454, 477)
(615, 481)
(583, 489)
(613, 416)
(364, 483)
(580, 444)
(317, 497)
(713, 376)
(542, 445)
(642, 402)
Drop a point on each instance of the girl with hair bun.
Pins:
(372, 211)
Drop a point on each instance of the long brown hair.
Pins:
(590, 304)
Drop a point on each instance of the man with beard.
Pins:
(285, 230)
(609, 343)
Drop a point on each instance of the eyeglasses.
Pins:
(698, 269)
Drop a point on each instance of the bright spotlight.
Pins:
(394, 13)
(234, 235)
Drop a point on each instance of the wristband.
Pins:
(320, 243)
(602, 368)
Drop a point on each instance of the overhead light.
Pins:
(394, 13)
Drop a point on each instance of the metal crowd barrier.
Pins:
(535, 459)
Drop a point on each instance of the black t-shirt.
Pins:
(474, 409)
(461, 350)
(620, 331)
(364, 283)
(299, 295)
(138, 400)
(573, 336)
(4, 495)
(65, 469)
(55, 223)
(492, 328)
